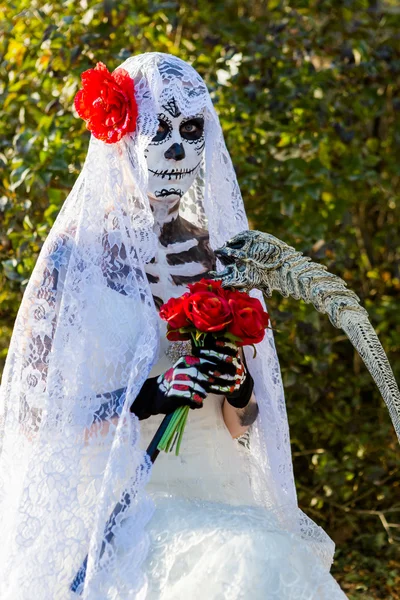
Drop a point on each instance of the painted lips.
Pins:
(171, 192)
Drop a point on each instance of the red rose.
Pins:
(174, 314)
(207, 285)
(207, 311)
(249, 318)
(107, 103)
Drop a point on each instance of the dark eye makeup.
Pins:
(192, 129)
(163, 129)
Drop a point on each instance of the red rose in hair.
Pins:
(207, 311)
(174, 313)
(250, 319)
(107, 103)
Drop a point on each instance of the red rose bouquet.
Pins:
(209, 309)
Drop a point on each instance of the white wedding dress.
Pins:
(208, 538)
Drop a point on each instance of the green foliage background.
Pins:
(308, 93)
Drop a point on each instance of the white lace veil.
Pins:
(86, 327)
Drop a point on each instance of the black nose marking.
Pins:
(176, 152)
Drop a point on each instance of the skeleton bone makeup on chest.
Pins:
(174, 157)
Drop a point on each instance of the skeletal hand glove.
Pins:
(183, 384)
(225, 371)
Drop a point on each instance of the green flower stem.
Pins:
(178, 433)
(170, 429)
(168, 433)
(180, 424)
(181, 430)
(176, 429)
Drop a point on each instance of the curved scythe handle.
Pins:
(253, 259)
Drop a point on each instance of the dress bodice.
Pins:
(211, 465)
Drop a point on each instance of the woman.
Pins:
(85, 384)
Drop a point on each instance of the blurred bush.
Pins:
(308, 93)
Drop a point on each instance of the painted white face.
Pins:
(174, 155)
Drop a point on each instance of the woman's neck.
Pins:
(164, 213)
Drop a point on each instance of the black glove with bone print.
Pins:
(225, 371)
(216, 368)
(183, 384)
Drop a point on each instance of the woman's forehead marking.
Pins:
(172, 108)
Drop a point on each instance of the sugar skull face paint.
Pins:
(175, 153)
